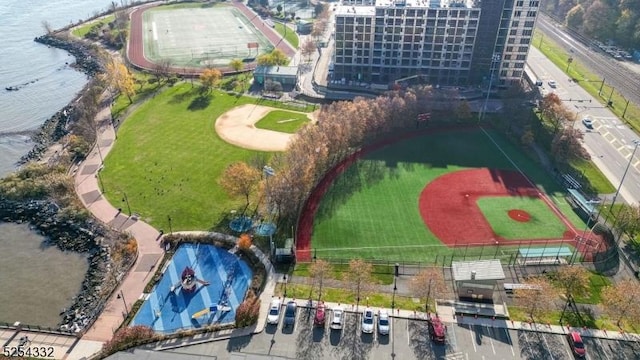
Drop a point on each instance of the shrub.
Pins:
(244, 242)
(247, 313)
(128, 337)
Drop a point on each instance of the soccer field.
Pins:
(200, 36)
(372, 210)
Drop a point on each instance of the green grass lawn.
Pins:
(83, 29)
(596, 283)
(290, 36)
(544, 224)
(283, 121)
(371, 210)
(167, 159)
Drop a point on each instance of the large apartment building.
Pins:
(447, 42)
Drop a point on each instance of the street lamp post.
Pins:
(268, 172)
(121, 296)
(395, 288)
(284, 279)
(494, 60)
(395, 285)
(615, 196)
(126, 200)
(169, 219)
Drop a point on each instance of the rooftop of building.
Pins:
(477, 270)
(431, 4)
(276, 70)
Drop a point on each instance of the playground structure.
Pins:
(172, 306)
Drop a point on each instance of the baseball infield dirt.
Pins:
(236, 127)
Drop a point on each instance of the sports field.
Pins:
(196, 36)
(406, 200)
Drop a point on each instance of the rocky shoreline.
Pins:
(57, 126)
(78, 235)
(68, 234)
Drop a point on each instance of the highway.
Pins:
(610, 142)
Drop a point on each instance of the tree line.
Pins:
(603, 20)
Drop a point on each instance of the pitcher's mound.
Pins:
(519, 215)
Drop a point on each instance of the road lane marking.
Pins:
(506, 331)
(408, 340)
(547, 344)
(473, 341)
(492, 347)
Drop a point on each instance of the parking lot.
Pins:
(408, 339)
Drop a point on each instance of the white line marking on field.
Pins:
(154, 31)
(285, 121)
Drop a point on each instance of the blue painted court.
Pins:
(228, 277)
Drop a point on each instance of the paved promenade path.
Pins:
(149, 251)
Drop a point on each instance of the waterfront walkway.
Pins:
(149, 250)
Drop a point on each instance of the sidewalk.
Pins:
(149, 251)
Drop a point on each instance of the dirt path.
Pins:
(236, 127)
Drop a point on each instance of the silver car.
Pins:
(337, 318)
(383, 322)
(274, 312)
(367, 321)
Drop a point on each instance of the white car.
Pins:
(553, 84)
(367, 321)
(383, 322)
(274, 312)
(337, 318)
(588, 123)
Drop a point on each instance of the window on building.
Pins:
(525, 40)
(531, 13)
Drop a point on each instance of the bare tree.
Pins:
(427, 284)
(620, 301)
(537, 297)
(359, 278)
(628, 220)
(308, 48)
(567, 145)
(47, 27)
(573, 280)
(240, 179)
(319, 271)
(162, 71)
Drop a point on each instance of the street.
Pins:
(610, 142)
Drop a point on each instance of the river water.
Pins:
(36, 282)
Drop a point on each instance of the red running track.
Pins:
(135, 47)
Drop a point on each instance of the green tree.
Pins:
(236, 65)
(210, 78)
(119, 77)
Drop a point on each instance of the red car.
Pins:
(319, 319)
(437, 330)
(576, 344)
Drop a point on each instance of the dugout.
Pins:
(476, 280)
(285, 75)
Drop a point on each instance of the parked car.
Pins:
(367, 321)
(290, 314)
(274, 312)
(437, 330)
(337, 320)
(576, 344)
(319, 319)
(383, 322)
(588, 123)
(553, 84)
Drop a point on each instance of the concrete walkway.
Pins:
(149, 251)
